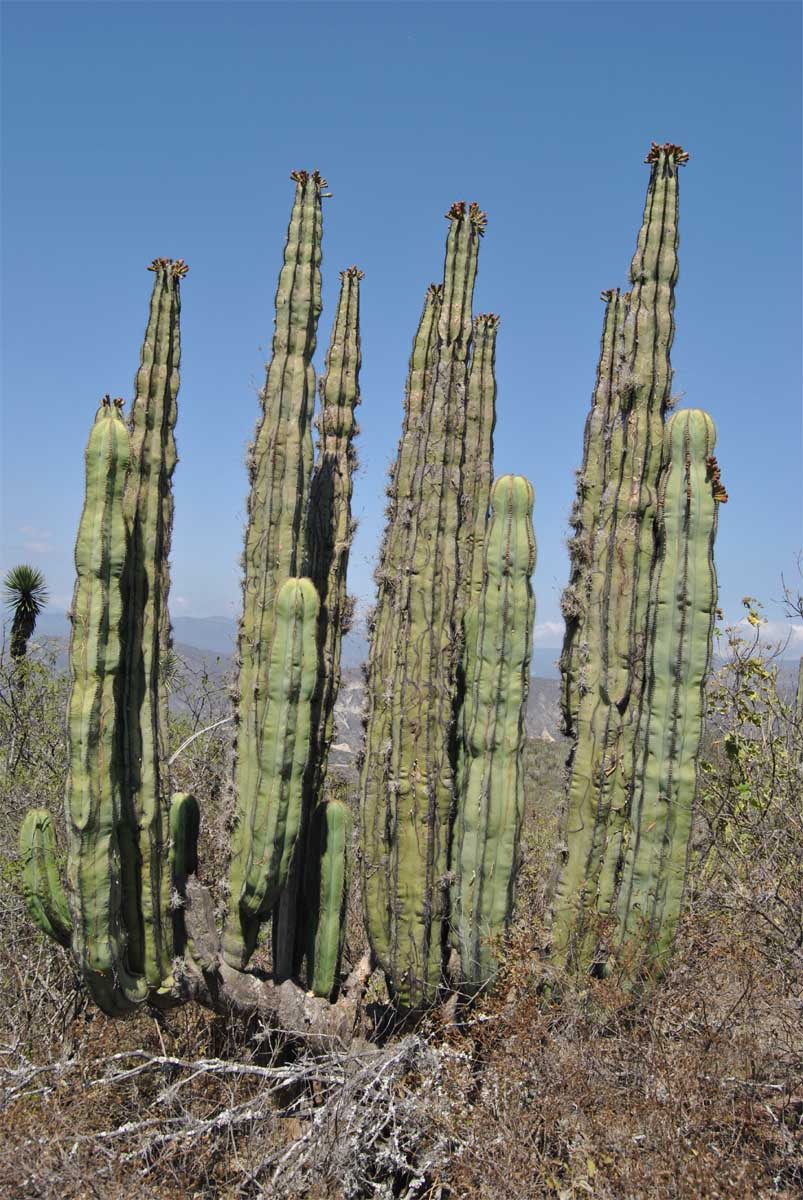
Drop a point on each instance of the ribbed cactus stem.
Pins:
(265, 835)
(185, 821)
(592, 480)
(41, 885)
(149, 515)
(490, 781)
(383, 658)
(407, 783)
(94, 798)
(609, 713)
(479, 454)
(329, 533)
(279, 470)
(326, 891)
(329, 525)
(683, 609)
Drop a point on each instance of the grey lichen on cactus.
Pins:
(490, 779)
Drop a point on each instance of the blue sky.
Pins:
(136, 130)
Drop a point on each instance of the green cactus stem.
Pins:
(683, 609)
(265, 837)
(94, 798)
(329, 533)
(326, 890)
(279, 471)
(407, 784)
(479, 455)
(609, 712)
(490, 783)
(185, 821)
(592, 480)
(149, 515)
(41, 885)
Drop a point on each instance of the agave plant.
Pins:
(25, 597)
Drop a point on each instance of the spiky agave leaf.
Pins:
(26, 595)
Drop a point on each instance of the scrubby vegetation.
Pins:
(580, 1088)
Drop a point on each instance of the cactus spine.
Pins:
(329, 532)
(683, 608)
(326, 889)
(490, 784)
(279, 472)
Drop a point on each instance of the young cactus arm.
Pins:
(41, 885)
(490, 786)
(407, 784)
(681, 633)
(149, 514)
(279, 470)
(329, 532)
(265, 835)
(185, 821)
(94, 798)
(326, 890)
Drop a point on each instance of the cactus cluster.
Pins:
(441, 793)
(639, 610)
(433, 564)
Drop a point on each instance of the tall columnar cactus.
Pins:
(478, 470)
(682, 612)
(127, 846)
(117, 802)
(609, 620)
(579, 669)
(407, 785)
(279, 468)
(326, 890)
(149, 518)
(490, 783)
(95, 794)
(329, 532)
